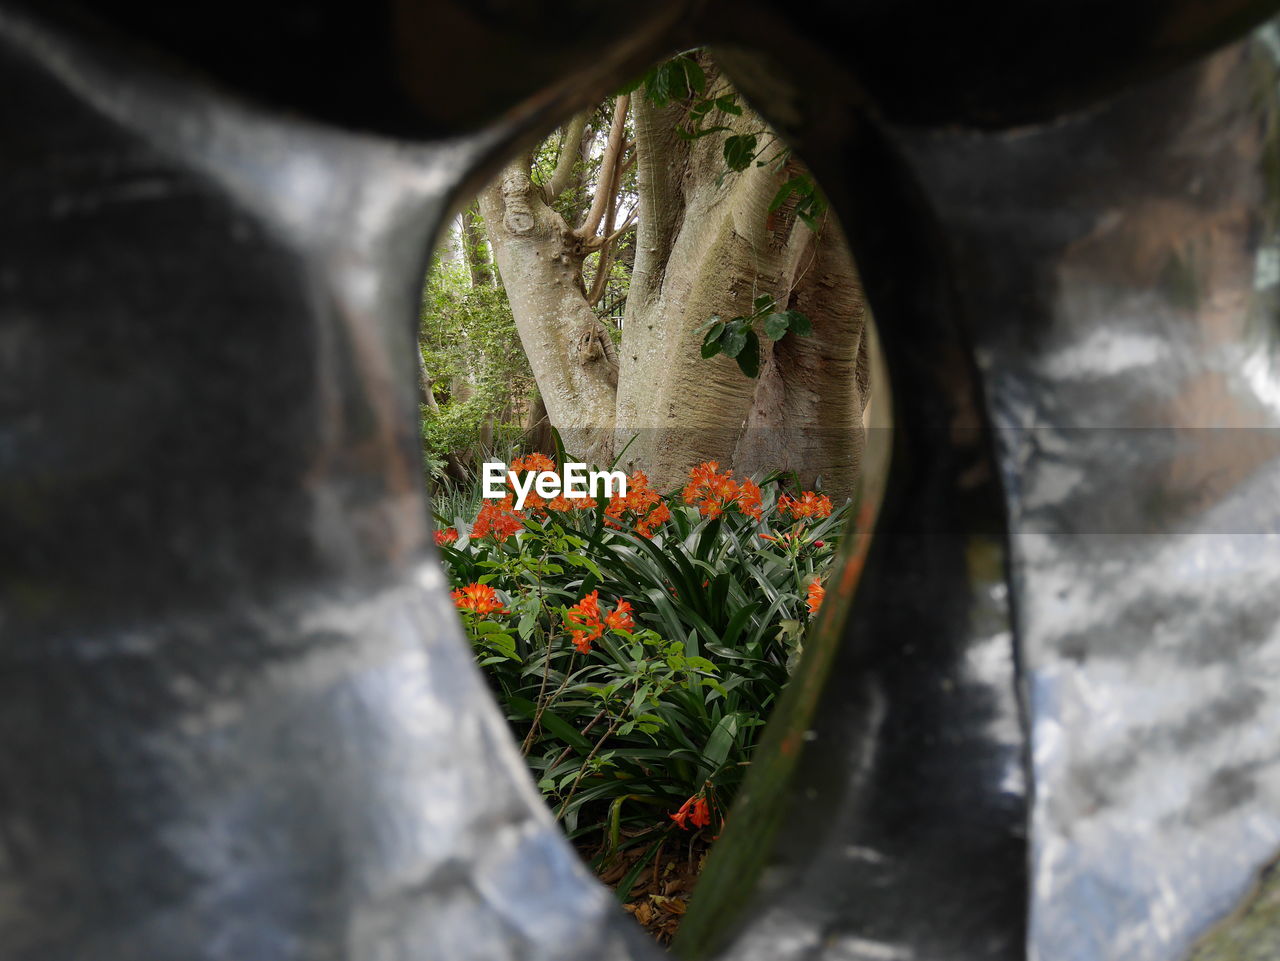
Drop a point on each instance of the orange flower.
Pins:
(446, 536)
(535, 462)
(620, 618)
(785, 537)
(532, 462)
(694, 811)
(642, 503)
(480, 599)
(497, 518)
(562, 503)
(809, 505)
(714, 493)
(816, 594)
(748, 499)
(659, 515)
(586, 623)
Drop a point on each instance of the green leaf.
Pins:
(739, 151)
(711, 343)
(623, 890)
(525, 627)
(734, 338)
(657, 86)
(615, 822)
(710, 325)
(635, 84)
(553, 723)
(763, 302)
(800, 324)
(781, 196)
(695, 79)
(775, 326)
(504, 644)
(697, 133)
(749, 358)
(729, 104)
(720, 741)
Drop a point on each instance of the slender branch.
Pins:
(605, 261)
(543, 705)
(570, 148)
(582, 771)
(630, 162)
(546, 668)
(608, 169)
(601, 279)
(627, 225)
(585, 731)
(609, 235)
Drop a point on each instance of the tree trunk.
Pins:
(569, 350)
(806, 415)
(539, 436)
(706, 244)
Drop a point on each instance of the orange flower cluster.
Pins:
(480, 599)
(540, 462)
(642, 503)
(562, 503)
(586, 623)
(694, 811)
(816, 594)
(497, 519)
(446, 536)
(714, 493)
(809, 505)
(532, 462)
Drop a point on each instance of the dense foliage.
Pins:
(636, 644)
(471, 350)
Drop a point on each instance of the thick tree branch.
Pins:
(570, 152)
(662, 158)
(608, 169)
(601, 279)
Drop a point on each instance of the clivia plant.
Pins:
(637, 644)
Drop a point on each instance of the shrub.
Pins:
(636, 645)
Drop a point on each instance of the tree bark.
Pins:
(570, 155)
(569, 350)
(806, 414)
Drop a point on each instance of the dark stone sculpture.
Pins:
(239, 720)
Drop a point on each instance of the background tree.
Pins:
(470, 355)
(723, 224)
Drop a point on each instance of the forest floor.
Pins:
(660, 894)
